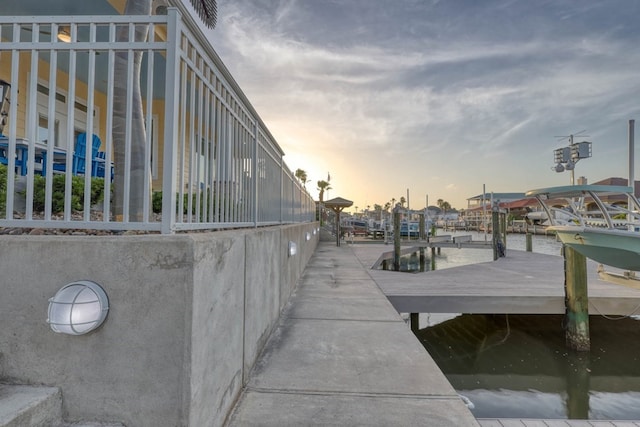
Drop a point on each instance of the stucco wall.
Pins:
(188, 317)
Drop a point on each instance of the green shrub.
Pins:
(3, 189)
(156, 201)
(58, 187)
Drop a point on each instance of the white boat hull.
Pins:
(616, 248)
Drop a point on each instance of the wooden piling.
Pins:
(529, 242)
(415, 322)
(576, 300)
(495, 232)
(421, 227)
(578, 384)
(396, 239)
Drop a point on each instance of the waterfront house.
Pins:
(69, 68)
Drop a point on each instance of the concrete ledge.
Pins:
(22, 406)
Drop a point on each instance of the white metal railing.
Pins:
(202, 144)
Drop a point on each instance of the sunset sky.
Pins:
(438, 97)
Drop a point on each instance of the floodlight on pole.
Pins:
(566, 158)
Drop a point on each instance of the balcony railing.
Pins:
(181, 147)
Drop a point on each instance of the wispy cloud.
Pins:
(459, 80)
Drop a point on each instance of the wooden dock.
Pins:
(520, 283)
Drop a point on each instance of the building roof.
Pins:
(498, 196)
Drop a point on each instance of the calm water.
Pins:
(450, 257)
(517, 366)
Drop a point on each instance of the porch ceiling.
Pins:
(58, 8)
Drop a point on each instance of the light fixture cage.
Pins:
(78, 308)
(307, 236)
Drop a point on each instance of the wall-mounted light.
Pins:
(64, 34)
(293, 248)
(78, 308)
(314, 231)
(307, 236)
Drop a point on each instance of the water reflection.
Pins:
(518, 366)
(453, 257)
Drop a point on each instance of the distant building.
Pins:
(485, 199)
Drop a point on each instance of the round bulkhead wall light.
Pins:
(78, 308)
(293, 248)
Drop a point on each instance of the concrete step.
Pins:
(22, 406)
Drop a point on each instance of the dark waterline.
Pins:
(517, 366)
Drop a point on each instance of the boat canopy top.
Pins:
(578, 191)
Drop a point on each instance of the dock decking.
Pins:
(520, 283)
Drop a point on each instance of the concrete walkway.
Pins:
(343, 356)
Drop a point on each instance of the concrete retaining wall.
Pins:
(189, 314)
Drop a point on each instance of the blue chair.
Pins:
(20, 156)
(100, 165)
(78, 164)
(80, 154)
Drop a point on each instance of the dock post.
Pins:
(529, 242)
(415, 322)
(422, 260)
(396, 239)
(576, 300)
(495, 231)
(578, 382)
(421, 228)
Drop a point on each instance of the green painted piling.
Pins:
(576, 300)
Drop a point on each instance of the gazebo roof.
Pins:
(338, 202)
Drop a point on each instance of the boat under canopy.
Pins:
(602, 222)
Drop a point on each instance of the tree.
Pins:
(402, 201)
(444, 205)
(207, 11)
(323, 186)
(301, 174)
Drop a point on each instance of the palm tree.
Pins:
(301, 174)
(323, 186)
(402, 201)
(207, 11)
